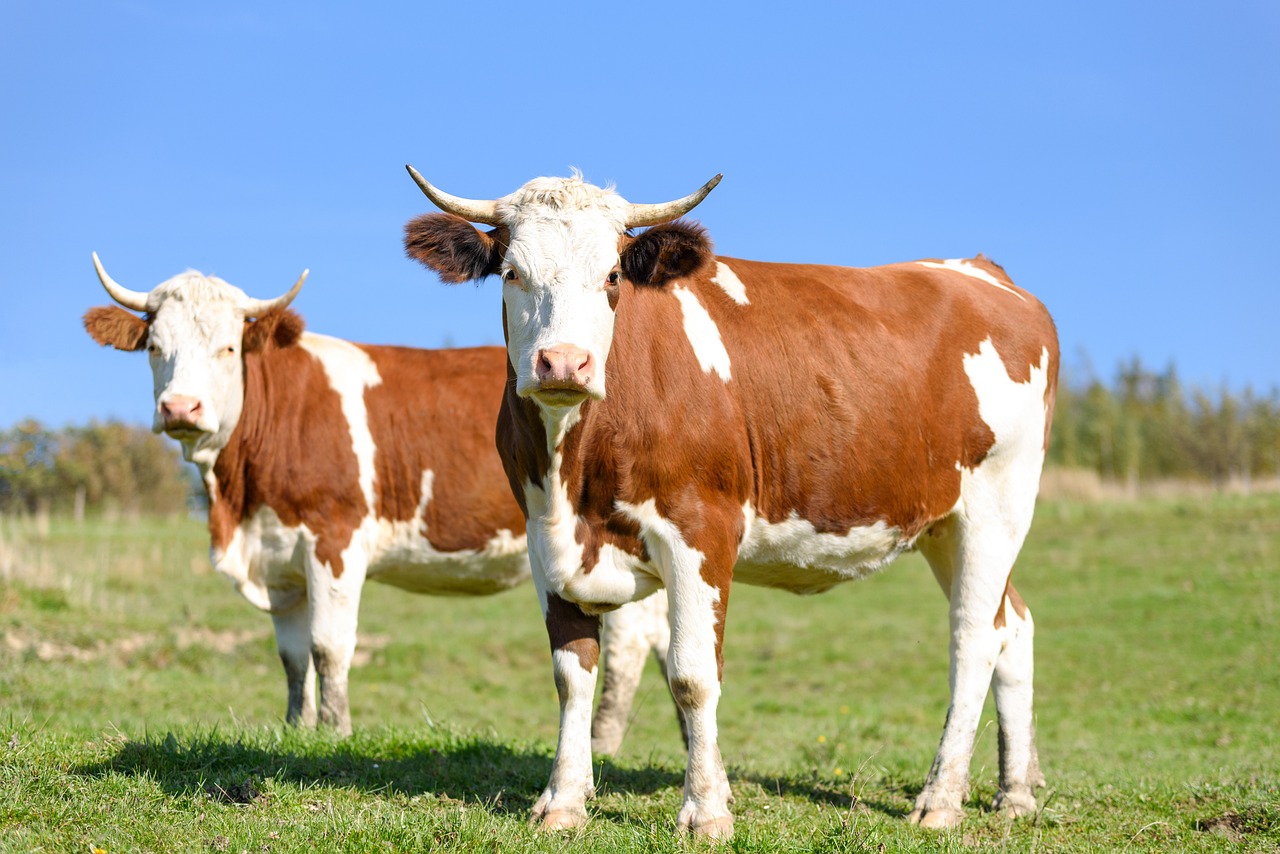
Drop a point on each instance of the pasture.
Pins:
(141, 702)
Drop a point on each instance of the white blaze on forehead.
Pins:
(703, 334)
(964, 267)
(730, 283)
(350, 372)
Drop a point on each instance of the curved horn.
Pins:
(667, 211)
(136, 300)
(259, 307)
(471, 210)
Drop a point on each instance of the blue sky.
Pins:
(1121, 160)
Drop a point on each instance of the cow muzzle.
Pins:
(181, 417)
(564, 376)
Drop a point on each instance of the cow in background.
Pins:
(673, 419)
(327, 463)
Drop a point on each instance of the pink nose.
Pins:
(564, 366)
(179, 411)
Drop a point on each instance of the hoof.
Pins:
(1015, 803)
(939, 819)
(716, 828)
(560, 820)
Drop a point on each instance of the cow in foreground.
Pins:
(328, 463)
(673, 419)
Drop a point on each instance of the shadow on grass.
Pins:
(502, 778)
(887, 797)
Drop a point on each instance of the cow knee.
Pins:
(691, 690)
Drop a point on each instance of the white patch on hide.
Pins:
(350, 372)
(703, 334)
(793, 555)
(962, 266)
(730, 283)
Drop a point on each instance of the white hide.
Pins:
(962, 266)
(703, 334)
(793, 555)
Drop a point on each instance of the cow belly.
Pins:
(792, 555)
(406, 559)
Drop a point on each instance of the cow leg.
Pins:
(1012, 685)
(972, 564)
(628, 635)
(575, 652)
(697, 580)
(335, 609)
(293, 642)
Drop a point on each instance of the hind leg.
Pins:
(972, 562)
(1012, 685)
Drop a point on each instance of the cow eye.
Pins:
(613, 278)
(510, 275)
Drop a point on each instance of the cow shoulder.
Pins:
(112, 326)
(453, 247)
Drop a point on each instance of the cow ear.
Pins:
(453, 247)
(275, 329)
(112, 325)
(667, 252)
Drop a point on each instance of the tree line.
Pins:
(101, 468)
(1143, 426)
(1147, 426)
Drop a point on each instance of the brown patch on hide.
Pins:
(291, 451)
(435, 410)
(1014, 601)
(112, 326)
(571, 630)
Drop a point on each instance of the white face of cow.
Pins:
(559, 278)
(556, 249)
(194, 346)
(194, 334)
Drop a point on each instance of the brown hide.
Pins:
(848, 403)
(292, 449)
(435, 409)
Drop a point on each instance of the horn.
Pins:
(135, 300)
(667, 211)
(471, 210)
(259, 307)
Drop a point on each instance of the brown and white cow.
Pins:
(328, 463)
(678, 420)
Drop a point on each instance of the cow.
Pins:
(327, 463)
(680, 420)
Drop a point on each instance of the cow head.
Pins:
(196, 330)
(562, 247)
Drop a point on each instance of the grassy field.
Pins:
(141, 704)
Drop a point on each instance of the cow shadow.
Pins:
(497, 777)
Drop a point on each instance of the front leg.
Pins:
(697, 573)
(575, 652)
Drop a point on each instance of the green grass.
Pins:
(140, 705)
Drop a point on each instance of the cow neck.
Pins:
(225, 475)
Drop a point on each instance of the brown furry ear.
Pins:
(112, 325)
(666, 252)
(275, 329)
(453, 247)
